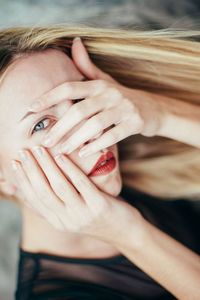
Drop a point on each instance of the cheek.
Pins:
(8, 174)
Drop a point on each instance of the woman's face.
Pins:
(27, 79)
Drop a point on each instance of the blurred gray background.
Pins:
(155, 14)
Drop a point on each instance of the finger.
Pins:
(79, 112)
(111, 137)
(58, 181)
(96, 125)
(39, 182)
(83, 184)
(84, 63)
(31, 198)
(68, 90)
(91, 128)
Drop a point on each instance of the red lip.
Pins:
(103, 157)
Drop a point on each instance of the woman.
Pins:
(126, 230)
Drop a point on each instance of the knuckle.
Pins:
(43, 101)
(113, 136)
(60, 187)
(140, 120)
(127, 127)
(80, 181)
(129, 105)
(96, 122)
(67, 88)
(102, 84)
(114, 92)
(78, 111)
(140, 123)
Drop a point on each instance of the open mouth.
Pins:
(105, 165)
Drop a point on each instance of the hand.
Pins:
(107, 103)
(68, 200)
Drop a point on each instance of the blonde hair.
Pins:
(160, 61)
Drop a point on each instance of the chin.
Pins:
(110, 183)
(114, 188)
(111, 186)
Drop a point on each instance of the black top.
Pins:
(45, 276)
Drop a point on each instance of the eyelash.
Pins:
(33, 131)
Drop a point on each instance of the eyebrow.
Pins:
(34, 113)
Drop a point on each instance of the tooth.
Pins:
(103, 163)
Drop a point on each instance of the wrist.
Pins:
(179, 129)
(177, 120)
(151, 107)
(129, 228)
(168, 127)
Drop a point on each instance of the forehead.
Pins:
(37, 72)
(31, 76)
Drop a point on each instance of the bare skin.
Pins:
(28, 82)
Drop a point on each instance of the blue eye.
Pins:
(40, 125)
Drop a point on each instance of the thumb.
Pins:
(84, 64)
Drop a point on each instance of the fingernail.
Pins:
(35, 105)
(38, 151)
(66, 149)
(14, 165)
(47, 142)
(84, 152)
(23, 155)
(77, 39)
